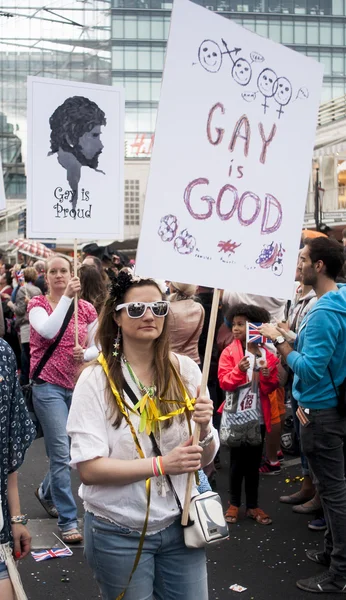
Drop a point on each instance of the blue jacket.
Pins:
(321, 342)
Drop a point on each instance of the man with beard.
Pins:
(75, 136)
(319, 367)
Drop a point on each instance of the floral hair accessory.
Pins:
(120, 285)
(126, 278)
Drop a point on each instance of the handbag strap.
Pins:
(130, 393)
(48, 353)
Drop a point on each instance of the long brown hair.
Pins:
(166, 382)
(93, 287)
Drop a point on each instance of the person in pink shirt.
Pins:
(52, 389)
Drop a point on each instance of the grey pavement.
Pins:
(267, 560)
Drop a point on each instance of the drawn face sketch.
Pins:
(282, 92)
(265, 82)
(210, 57)
(242, 71)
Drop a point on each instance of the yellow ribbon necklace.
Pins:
(148, 408)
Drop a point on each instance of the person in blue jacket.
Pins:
(319, 365)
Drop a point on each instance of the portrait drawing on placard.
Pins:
(76, 138)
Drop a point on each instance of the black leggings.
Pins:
(245, 462)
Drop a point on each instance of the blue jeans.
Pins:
(167, 569)
(323, 443)
(3, 571)
(52, 404)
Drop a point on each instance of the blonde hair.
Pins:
(182, 291)
(167, 385)
(49, 260)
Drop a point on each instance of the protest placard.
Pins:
(2, 188)
(75, 160)
(231, 159)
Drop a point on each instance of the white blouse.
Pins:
(93, 435)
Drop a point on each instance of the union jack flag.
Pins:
(253, 335)
(53, 553)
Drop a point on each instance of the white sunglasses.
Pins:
(135, 310)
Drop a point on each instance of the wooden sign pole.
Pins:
(75, 272)
(205, 374)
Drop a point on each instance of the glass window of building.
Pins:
(262, 27)
(338, 64)
(338, 34)
(156, 89)
(338, 7)
(275, 31)
(312, 33)
(144, 90)
(325, 33)
(287, 32)
(157, 28)
(130, 55)
(299, 33)
(131, 89)
(118, 27)
(157, 59)
(143, 27)
(144, 59)
(326, 59)
(130, 27)
(338, 89)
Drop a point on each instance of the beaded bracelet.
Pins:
(19, 520)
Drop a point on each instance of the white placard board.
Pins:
(75, 160)
(231, 159)
(2, 188)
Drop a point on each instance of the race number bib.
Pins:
(247, 400)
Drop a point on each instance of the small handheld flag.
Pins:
(254, 336)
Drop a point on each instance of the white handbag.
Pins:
(207, 524)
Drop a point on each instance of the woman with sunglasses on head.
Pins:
(138, 388)
(53, 387)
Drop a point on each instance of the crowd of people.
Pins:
(123, 384)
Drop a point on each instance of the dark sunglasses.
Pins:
(135, 310)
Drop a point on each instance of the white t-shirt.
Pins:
(93, 435)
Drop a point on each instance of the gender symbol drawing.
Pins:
(168, 228)
(241, 70)
(75, 136)
(210, 56)
(265, 84)
(271, 257)
(184, 243)
(282, 93)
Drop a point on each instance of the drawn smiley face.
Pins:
(242, 71)
(210, 57)
(266, 81)
(282, 91)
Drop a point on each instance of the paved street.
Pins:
(265, 560)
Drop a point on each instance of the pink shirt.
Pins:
(61, 369)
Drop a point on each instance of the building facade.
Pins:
(140, 30)
(124, 41)
(64, 40)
